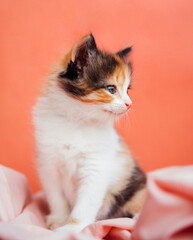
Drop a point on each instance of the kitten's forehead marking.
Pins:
(122, 78)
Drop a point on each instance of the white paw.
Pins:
(55, 221)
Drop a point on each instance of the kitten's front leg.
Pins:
(59, 209)
(92, 189)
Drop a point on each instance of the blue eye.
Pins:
(111, 88)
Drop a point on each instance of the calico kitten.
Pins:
(85, 167)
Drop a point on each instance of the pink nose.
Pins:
(127, 105)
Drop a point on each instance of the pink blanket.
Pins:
(167, 212)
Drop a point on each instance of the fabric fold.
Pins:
(167, 212)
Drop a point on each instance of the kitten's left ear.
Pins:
(83, 48)
(124, 53)
(81, 53)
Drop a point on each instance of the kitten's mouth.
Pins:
(116, 114)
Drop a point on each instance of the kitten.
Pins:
(85, 167)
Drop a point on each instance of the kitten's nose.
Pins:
(127, 105)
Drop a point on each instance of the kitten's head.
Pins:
(96, 78)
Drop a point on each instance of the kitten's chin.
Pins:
(116, 114)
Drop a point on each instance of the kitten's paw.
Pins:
(55, 221)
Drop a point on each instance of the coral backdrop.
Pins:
(34, 34)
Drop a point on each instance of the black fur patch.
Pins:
(136, 182)
(91, 42)
(93, 75)
(70, 73)
(76, 91)
(127, 215)
(99, 69)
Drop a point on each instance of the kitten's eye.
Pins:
(111, 88)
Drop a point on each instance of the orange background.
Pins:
(34, 34)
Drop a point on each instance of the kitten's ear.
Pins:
(124, 53)
(83, 49)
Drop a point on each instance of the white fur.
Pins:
(77, 154)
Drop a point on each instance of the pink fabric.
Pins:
(167, 212)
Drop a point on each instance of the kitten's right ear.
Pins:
(124, 53)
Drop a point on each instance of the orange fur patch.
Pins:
(98, 96)
(120, 72)
(135, 204)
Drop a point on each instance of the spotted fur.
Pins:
(86, 169)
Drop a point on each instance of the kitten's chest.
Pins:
(76, 142)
